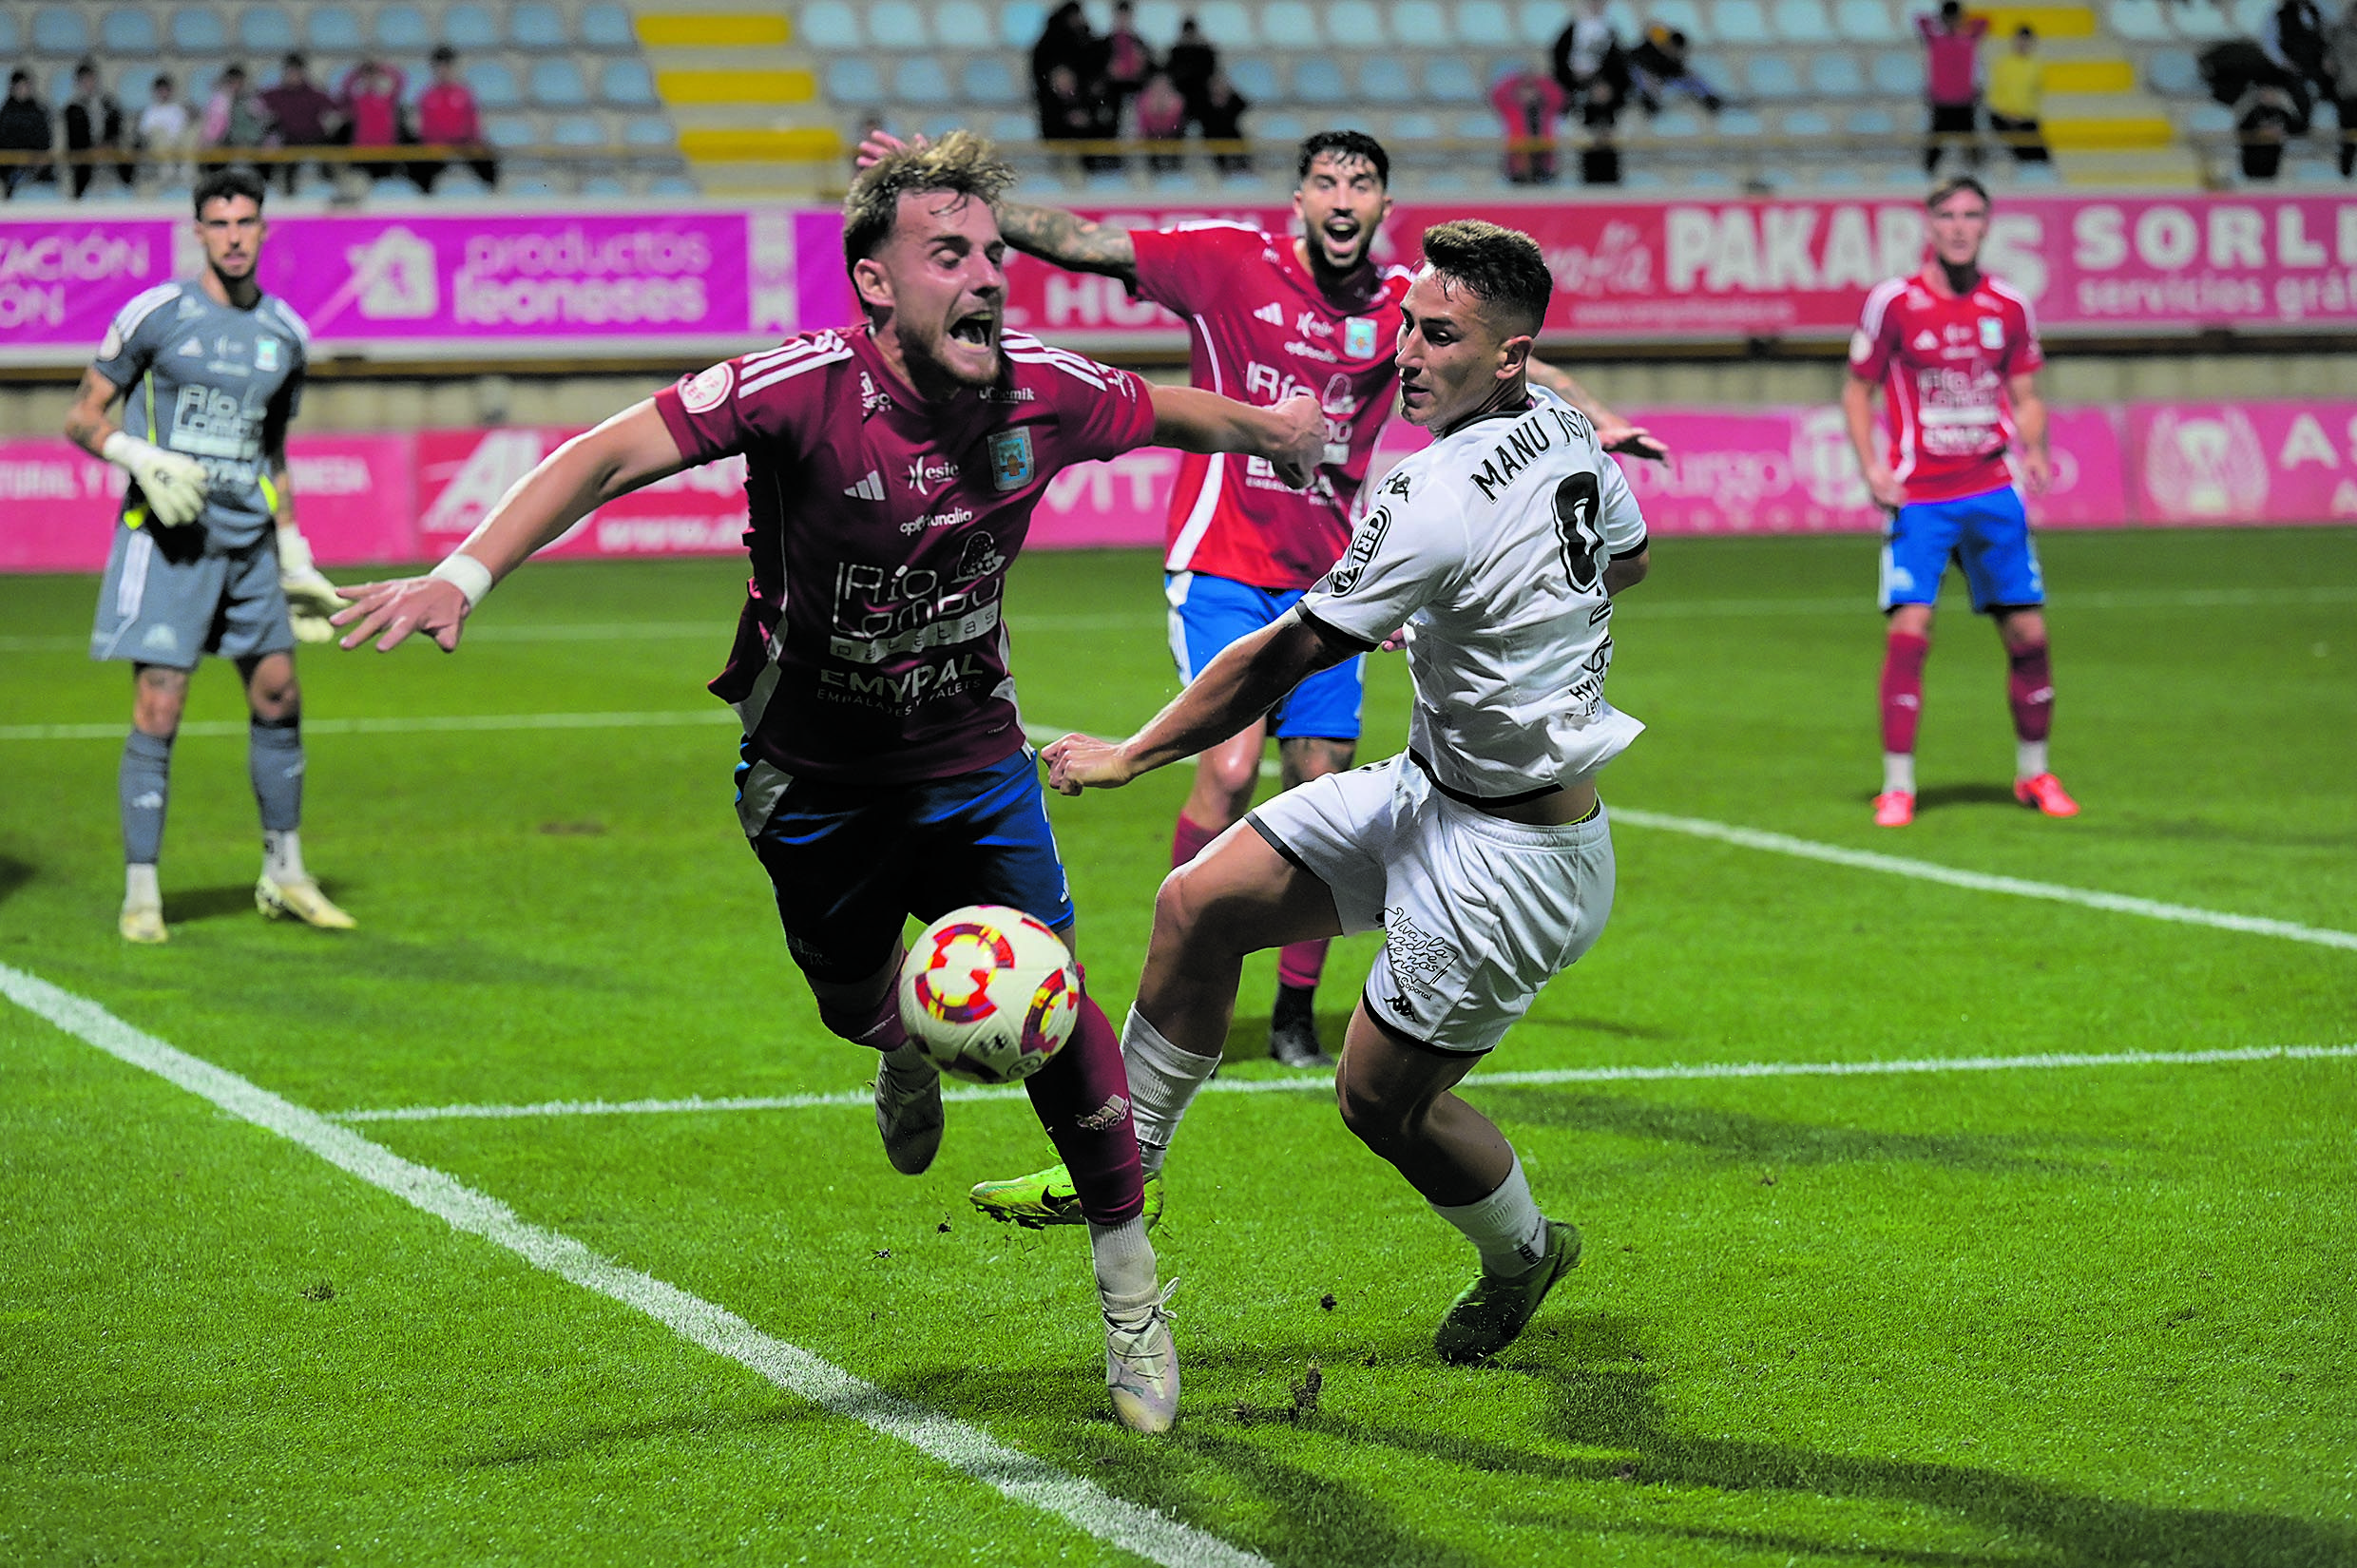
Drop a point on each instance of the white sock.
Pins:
(1506, 1227)
(1124, 1260)
(2029, 758)
(1898, 772)
(140, 890)
(283, 854)
(908, 1065)
(1162, 1082)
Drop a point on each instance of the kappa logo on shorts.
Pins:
(160, 640)
(1418, 958)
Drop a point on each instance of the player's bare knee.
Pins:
(158, 694)
(1308, 758)
(1382, 1123)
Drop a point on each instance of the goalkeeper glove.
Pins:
(310, 597)
(174, 485)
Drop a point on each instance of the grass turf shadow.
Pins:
(14, 873)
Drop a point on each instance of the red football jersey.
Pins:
(1942, 361)
(870, 646)
(1260, 332)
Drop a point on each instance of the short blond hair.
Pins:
(960, 163)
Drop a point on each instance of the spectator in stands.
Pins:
(1162, 116)
(2341, 59)
(1660, 69)
(447, 117)
(2017, 91)
(1528, 105)
(93, 125)
(305, 115)
(161, 134)
(371, 100)
(235, 116)
(1224, 121)
(1064, 41)
(2265, 117)
(1128, 61)
(24, 128)
(2294, 37)
(1064, 112)
(1589, 50)
(1599, 161)
(1192, 61)
(1952, 82)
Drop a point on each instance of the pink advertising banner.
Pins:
(63, 279)
(460, 474)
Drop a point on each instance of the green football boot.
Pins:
(1046, 1197)
(1495, 1308)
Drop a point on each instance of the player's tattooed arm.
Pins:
(1077, 243)
(1292, 434)
(1613, 433)
(88, 423)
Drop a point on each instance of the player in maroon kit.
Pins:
(1956, 354)
(891, 473)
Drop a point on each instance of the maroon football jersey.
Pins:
(871, 647)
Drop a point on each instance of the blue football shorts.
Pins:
(852, 862)
(1208, 613)
(1986, 534)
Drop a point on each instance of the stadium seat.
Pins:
(1896, 73)
(1642, 180)
(1012, 128)
(2251, 16)
(12, 41)
(990, 81)
(1449, 79)
(1318, 80)
(830, 27)
(471, 28)
(854, 81)
(2141, 21)
(1740, 23)
(647, 130)
(1227, 23)
(922, 81)
(1416, 125)
(1706, 176)
(898, 25)
(334, 27)
(404, 29)
(390, 187)
(493, 85)
(1258, 80)
(1684, 16)
(2038, 174)
(1677, 124)
(1803, 22)
(1834, 73)
(509, 130)
(199, 29)
(265, 30)
(2203, 23)
(1356, 25)
(1838, 177)
(626, 83)
(1870, 121)
(607, 26)
(965, 25)
(1422, 24)
(603, 185)
(60, 30)
(1772, 76)
(671, 184)
(934, 126)
(132, 87)
(1383, 79)
(1021, 22)
(1739, 122)
(2209, 118)
(1281, 127)
(577, 130)
(1486, 24)
(531, 185)
(1805, 122)
(58, 88)
(1866, 22)
(537, 24)
(1471, 124)
(2172, 72)
(1537, 22)
(122, 30)
(558, 85)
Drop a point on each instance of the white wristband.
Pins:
(123, 448)
(472, 577)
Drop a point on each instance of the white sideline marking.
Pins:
(963, 1446)
(1536, 1077)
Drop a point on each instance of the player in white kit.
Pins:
(1482, 851)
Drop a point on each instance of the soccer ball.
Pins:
(989, 994)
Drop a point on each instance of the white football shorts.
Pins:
(1477, 912)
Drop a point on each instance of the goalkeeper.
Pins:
(206, 558)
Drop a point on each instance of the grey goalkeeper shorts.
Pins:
(166, 601)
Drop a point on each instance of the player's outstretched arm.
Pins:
(1613, 433)
(1858, 413)
(632, 448)
(1292, 435)
(1071, 242)
(1245, 682)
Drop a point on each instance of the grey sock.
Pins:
(275, 756)
(145, 783)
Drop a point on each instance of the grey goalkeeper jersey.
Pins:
(208, 380)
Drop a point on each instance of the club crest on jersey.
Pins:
(1358, 337)
(1011, 459)
(706, 390)
(1992, 333)
(266, 354)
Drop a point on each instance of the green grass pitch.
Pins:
(2063, 1315)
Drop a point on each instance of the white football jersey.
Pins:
(1490, 546)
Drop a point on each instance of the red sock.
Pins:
(2029, 687)
(1902, 689)
(1299, 964)
(1082, 1100)
(1187, 840)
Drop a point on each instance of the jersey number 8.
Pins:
(1577, 500)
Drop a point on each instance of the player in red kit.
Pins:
(891, 473)
(1956, 354)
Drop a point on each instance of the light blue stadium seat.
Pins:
(1157, 21)
(1707, 177)
(1740, 123)
(390, 187)
(558, 85)
(1834, 73)
(1677, 124)
(265, 30)
(1802, 22)
(965, 25)
(2038, 174)
(854, 81)
(1012, 128)
(404, 29)
(1228, 23)
(1896, 73)
(509, 130)
(1473, 125)
(934, 126)
(334, 27)
(1643, 179)
(673, 185)
(1106, 183)
(60, 30)
(2251, 16)
(1772, 76)
(603, 185)
(1383, 79)
(1838, 177)
(537, 24)
(1683, 16)
(1449, 79)
(2141, 21)
(2209, 119)
(1422, 24)
(11, 40)
(1538, 22)
(493, 85)
(1356, 25)
(648, 130)
(607, 26)
(990, 81)
(922, 81)
(471, 28)
(1318, 80)
(1806, 123)
(577, 130)
(1740, 24)
(1020, 22)
(57, 89)
(898, 25)
(124, 31)
(2204, 24)
(1867, 22)
(1258, 80)
(1870, 121)
(626, 85)
(132, 88)
(831, 28)
(531, 185)
(1486, 24)
(458, 180)
(1416, 125)
(2174, 73)
(199, 29)
(1280, 126)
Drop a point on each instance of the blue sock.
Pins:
(275, 757)
(146, 783)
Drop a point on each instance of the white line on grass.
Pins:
(1541, 1077)
(957, 1444)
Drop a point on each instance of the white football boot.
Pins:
(1142, 1365)
(908, 1108)
(300, 898)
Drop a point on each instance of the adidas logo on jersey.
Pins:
(1273, 312)
(1926, 340)
(192, 350)
(869, 489)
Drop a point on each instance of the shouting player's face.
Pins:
(1958, 225)
(942, 281)
(1454, 360)
(231, 230)
(1341, 203)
